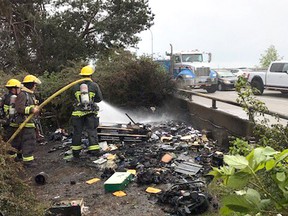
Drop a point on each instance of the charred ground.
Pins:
(67, 180)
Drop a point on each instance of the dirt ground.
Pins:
(67, 180)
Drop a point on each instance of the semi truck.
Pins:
(275, 78)
(191, 69)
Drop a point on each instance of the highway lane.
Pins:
(274, 100)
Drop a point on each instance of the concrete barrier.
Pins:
(222, 125)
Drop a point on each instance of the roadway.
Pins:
(274, 100)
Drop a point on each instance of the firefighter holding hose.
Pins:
(87, 94)
(26, 104)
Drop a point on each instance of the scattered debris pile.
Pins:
(172, 155)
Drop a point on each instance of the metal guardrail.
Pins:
(214, 105)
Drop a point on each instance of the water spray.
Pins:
(44, 104)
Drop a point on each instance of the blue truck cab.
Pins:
(191, 70)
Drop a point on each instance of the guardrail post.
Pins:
(214, 104)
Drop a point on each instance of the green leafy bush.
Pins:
(60, 108)
(274, 135)
(260, 181)
(124, 79)
(128, 81)
(239, 146)
(16, 197)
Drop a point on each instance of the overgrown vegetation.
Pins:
(125, 81)
(38, 36)
(254, 179)
(133, 82)
(260, 182)
(16, 197)
(240, 147)
(266, 134)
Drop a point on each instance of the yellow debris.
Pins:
(153, 190)
(119, 193)
(94, 180)
(132, 171)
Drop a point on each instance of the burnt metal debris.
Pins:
(187, 198)
(190, 153)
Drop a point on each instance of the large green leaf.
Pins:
(215, 172)
(237, 203)
(253, 197)
(280, 176)
(238, 180)
(270, 164)
(259, 167)
(225, 211)
(259, 156)
(237, 161)
(281, 156)
(227, 170)
(265, 203)
(250, 158)
(269, 151)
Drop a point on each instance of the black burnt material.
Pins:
(187, 198)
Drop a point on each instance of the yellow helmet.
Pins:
(13, 83)
(31, 79)
(86, 71)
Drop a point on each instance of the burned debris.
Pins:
(172, 155)
(187, 198)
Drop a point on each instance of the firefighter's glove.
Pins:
(36, 110)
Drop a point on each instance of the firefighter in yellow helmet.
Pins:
(87, 94)
(26, 104)
(7, 107)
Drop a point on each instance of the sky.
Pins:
(236, 32)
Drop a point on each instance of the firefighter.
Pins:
(87, 94)
(7, 107)
(25, 105)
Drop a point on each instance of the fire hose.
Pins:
(43, 104)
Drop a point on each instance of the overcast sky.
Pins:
(236, 32)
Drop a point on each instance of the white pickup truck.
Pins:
(275, 78)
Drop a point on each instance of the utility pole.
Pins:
(151, 43)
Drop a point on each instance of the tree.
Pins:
(129, 81)
(270, 55)
(49, 35)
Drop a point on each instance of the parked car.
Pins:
(241, 72)
(226, 79)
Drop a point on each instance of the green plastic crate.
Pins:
(118, 181)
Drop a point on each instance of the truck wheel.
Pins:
(212, 88)
(258, 87)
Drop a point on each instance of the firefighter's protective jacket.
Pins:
(6, 103)
(95, 96)
(24, 104)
